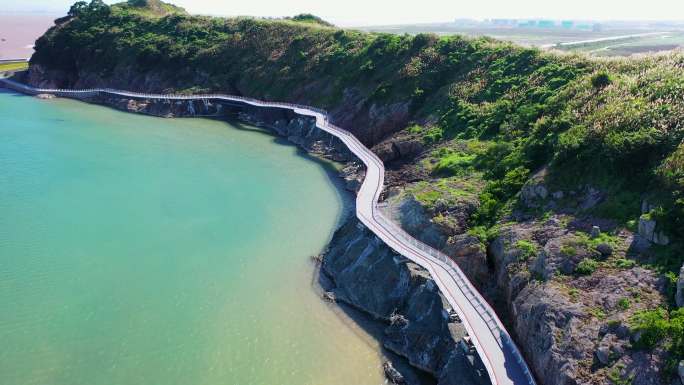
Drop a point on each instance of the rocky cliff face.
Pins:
(570, 290)
(370, 276)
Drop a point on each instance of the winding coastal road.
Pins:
(501, 357)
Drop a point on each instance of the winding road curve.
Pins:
(502, 359)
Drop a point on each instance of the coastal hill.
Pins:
(556, 181)
(151, 8)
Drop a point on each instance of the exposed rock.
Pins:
(408, 149)
(469, 253)
(553, 258)
(398, 320)
(610, 349)
(557, 331)
(461, 369)
(558, 195)
(448, 235)
(329, 296)
(392, 374)
(353, 174)
(647, 229)
(679, 295)
(453, 316)
(413, 218)
(680, 371)
(550, 329)
(386, 151)
(533, 192)
(592, 197)
(595, 232)
(605, 249)
(370, 276)
(603, 354)
(647, 207)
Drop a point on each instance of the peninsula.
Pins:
(554, 182)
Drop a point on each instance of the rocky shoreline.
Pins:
(360, 271)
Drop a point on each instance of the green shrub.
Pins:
(615, 375)
(433, 135)
(415, 129)
(309, 18)
(651, 325)
(527, 249)
(624, 303)
(568, 250)
(453, 163)
(598, 313)
(601, 79)
(587, 266)
(623, 263)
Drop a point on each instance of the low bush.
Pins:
(527, 249)
(587, 266)
(601, 79)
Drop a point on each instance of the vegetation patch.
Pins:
(13, 66)
(587, 266)
(527, 249)
(658, 327)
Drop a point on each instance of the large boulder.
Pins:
(408, 149)
(414, 218)
(648, 230)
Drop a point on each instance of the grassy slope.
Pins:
(13, 66)
(489, 110)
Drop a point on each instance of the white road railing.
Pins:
(501, 357)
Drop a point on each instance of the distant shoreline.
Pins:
(19, 31)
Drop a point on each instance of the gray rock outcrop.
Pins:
(648, 230)
(371, 277)
(571, 329)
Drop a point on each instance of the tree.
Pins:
(78, 8)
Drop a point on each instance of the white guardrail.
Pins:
(378, 223)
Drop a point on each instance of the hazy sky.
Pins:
(364, 12)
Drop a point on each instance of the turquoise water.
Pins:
(140, 250)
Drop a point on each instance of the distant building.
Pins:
(546, 24)
(504, 22)
(567, 24)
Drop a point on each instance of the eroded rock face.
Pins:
(573, 329)
(547, 326)
(413, 218)
(647, 229)
(679, 295)
(450, 235)
(371, 277)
